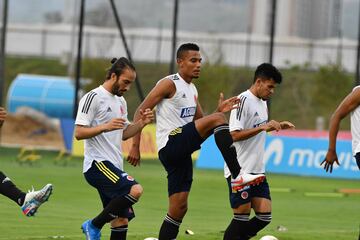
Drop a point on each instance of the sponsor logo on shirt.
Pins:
(188, 112)
(109, 109)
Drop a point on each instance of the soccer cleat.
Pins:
(34, 199)
(91, 232)
(246, 179)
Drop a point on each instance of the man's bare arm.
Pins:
(164, 89)
(85, 132)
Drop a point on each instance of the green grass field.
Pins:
(73, 201)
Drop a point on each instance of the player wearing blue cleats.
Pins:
(91, 232)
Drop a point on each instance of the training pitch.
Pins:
(303, 207)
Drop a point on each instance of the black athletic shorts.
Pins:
(110, 182)
(247, 193)
(176, 157)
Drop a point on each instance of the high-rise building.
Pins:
(313, 19)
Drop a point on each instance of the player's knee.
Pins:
(136, 191)
(182, 208)
(117, 222)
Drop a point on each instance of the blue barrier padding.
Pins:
(210, 156)
(67, 129)
(51, 95)
(290, 155)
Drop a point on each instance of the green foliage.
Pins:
(292, 99)
(304, 94)
(331, 85)
(215, 79)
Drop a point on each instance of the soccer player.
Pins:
(181, 128)
(102, 121)
(350, 104)
(29, 202)
(248, 126)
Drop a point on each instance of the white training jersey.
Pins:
(355, 128)
(252, 113)
(95, 108)
(176, 111)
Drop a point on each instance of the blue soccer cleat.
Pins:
(91, 232)
(34, 199)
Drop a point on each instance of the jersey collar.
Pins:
(106, 91)
(179, 76)
(253, 96)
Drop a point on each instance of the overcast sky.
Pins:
(199, 15)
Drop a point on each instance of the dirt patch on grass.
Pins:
(349, 190)
(21, 130)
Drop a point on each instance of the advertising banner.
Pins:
(292, 155)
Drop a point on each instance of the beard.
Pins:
(116, 90)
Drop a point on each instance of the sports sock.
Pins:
(237, 227)
(169, 228)
(112, 210)
(8, 189)
(257, 223)
(357, 157)
(224, 142)
(119, 233)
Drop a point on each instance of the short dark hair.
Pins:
(186, 47)
(118, 66)
(268, 71)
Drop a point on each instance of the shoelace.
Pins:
(32, 189)
(39, 195)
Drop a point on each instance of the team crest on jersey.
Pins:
(122, 111)
(188, 112)
(244, 195)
